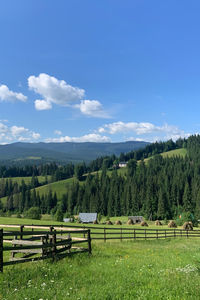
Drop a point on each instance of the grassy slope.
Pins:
(59, 187)
(177, 152)
(159, 269)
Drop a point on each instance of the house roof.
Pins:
(87, 217)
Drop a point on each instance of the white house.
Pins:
(122, 164)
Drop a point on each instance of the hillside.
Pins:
(63, 152)
(60, 187)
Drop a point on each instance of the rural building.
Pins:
(136, 219)
(87, 217)
(67, 220)
(122, 164)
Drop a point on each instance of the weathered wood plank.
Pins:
(27, 251)
(26, 242)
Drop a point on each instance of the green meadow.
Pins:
(167, 269)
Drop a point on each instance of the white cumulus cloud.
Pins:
(15, 133)
(92, 137)
(54, 91)
(42, 105)
(121, 127)
(149, 131)
(8, 95)
(92, 108)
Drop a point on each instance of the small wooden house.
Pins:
(87, 217)
(136, 219)
(122, 164)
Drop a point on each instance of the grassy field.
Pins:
(59, 187)
(177, 152)
(167, 269)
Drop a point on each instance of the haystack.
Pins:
(188, 226)
(130, 222)
(172, 224)
(109, 222)
(95, 222)
(118, 222)
(143, 223)
(158, 223)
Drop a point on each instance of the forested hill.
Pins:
(63, 152)
(162, 186)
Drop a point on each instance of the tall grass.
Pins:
(167, 269)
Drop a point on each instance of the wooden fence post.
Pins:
(21, 232)
(165, 234)
(89, 242)
(134, 233)
(121, 235)
(1, 250)
(54, 245)
(104, 234)
(157, 233)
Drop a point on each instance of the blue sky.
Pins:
(99, 71)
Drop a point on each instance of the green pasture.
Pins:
(59, 187)
(159, 269)
(177, 152)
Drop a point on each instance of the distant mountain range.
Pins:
(63, 152)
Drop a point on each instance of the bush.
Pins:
(33, 213)
(186, 217)
(59, 215)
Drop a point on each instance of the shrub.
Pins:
(33, 213)
(59, 215)
(186, 217)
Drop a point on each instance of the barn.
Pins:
(87, 217)
(136, 219)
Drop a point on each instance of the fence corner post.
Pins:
(89, 242)
(1, 250)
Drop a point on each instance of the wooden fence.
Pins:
(26, 245)
(98, 232)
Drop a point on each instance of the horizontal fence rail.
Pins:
(104, 233)
(30, 245)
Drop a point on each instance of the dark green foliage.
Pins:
(59, 215)
(33, 213)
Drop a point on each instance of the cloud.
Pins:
(58, 132)
(8, 95)
(149, 131)
(15, 130)
(59, 92)
(16, 133)
(35, 135)
(92, 137)
(42, 105)
(53, 91)
(121, 127)
(3, 128)
(92, 108)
